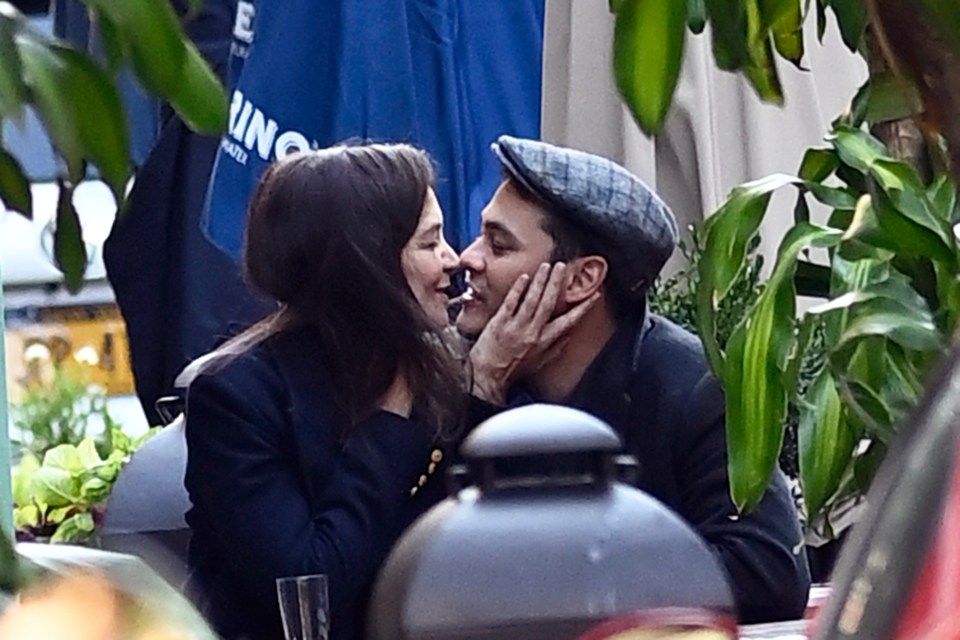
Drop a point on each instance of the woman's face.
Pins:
(427, 261)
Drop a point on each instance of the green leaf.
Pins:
(647, 52)
(761, 71)
(23, 479)
(200, 99)
(114, 45)
(825, 441)
(833, 197)
(856, 148)
(696, 15)
(13, 93)
(911, 328)
(757, 359)
(155, 39)
(45, 73)
(852, 19)
(64, 456)
(87, 454)
(891, 97)
(99, 117)
(55, 487)
(95, 490)
(76, 528)
(857, 113)
(727, 237)
(760, 67)
(56, 516)
(913, 227)
(867, 409)
(731, 229)
(615, 6)
(69, 249)
(818, 164)
(865, 236)
(14, 186)
(784, 19)
(728, 22)
(821, 18)
(26, 517)
(942, 194)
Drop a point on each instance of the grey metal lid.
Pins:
(540, 429)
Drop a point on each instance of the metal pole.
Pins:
(6, 489)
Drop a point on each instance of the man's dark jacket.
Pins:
(652, 385)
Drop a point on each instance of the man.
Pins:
(608, 236)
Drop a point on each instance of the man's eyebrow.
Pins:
(497, 227)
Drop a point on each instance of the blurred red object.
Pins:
(933, 610)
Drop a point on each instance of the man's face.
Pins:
(511, 243)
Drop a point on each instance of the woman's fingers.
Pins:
(560, 325)
(531, 300)
(508, 308)
(551, 292)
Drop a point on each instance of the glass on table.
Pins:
(304, 607)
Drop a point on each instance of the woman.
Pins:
(313, 436)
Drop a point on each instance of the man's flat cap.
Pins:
(635, 229)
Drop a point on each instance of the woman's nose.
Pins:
(449, 258)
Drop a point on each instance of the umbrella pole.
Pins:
(6, 492)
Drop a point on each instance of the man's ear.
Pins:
(585, 276)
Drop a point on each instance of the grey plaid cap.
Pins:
(637, 231)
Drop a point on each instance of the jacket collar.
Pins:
(604, 389)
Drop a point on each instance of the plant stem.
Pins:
(6, 491)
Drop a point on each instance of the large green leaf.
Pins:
(153, 39)
(69, 249)
(14, 186)
(46, 75)
(785, 21)
(727, 237)
(23, 479)
(99, 116)
(856, 148)
(55, 487)
(912, 226)
(818, 164)
(852, 19)
(200, 99)
(891, 97)
(728, 22)
(696, 15)
(825, 441)
(761, 68)
(865, 238)
(942, 194)
(76, 528)
(731, 229)
(758, 361)
(13, 93)
(647, 53)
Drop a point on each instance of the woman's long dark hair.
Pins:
(325, 231)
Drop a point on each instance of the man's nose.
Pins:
(472, 257)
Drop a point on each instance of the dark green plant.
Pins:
(675, 297)
(891, 277)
